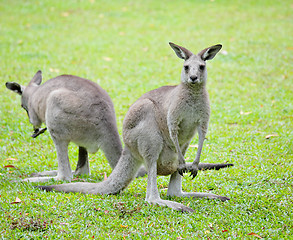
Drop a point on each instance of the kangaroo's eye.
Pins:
(201, 67)
(186, 68)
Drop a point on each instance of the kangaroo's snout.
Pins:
(193, 79)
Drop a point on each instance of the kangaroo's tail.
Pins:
(122, 175)
(213, 166)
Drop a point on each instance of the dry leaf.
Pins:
(225, 230)
(254, 234)
(245, 113)
(17, 200)
(11, 159)
(107, 59)
(123, 226)
(65, 14)
(105, 176)
(54, 70)
(9, 166)
(272, 135)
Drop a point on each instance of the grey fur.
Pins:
(75, 110)
(157, 131)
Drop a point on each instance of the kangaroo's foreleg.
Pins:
(174, 136)
(193, 168)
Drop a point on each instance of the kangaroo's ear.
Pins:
(37, 79)
(181, 52)
(15, 87)
(210, 52)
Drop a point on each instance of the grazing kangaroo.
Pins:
(157, 131)
(75, 110)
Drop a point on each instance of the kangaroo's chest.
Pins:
(191, 116)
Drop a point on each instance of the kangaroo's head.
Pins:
(26, 93)
(194, 67)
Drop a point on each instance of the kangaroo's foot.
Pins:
(45, 173)
(47, 176)
(171, 204)
(43, 179)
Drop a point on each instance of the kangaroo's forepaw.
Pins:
(188, 169)
(182, 169)
(193, 171)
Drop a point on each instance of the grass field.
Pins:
(123, 46)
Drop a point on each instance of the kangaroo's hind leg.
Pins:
(175, 189)
(64, 170)
(82, 166)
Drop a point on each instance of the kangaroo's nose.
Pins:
(193, 78)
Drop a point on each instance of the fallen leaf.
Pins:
(254, 234)
(17, 200)
(123, 226)
(54, 70)
(65, 14)
(9, 166)
(11, 159)
(107, 59)
(225, 230)
(245, 113)
(105, 176)
(272, 135)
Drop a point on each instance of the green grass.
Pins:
(123, 45)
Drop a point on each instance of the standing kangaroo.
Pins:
(74, 110)
(157, 130)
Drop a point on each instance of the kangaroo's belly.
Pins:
(167, 162)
